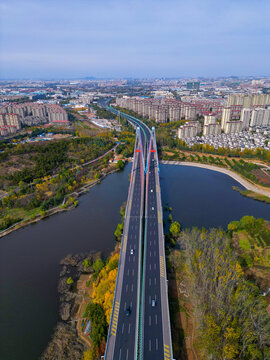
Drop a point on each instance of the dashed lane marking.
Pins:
(115, 318)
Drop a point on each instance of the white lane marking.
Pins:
(149, 266)
(120, 354)
(156, 344)
(149, 345)
(155, 281)
(123, 328)
(129, 328)
(150, 253)
(156, 318)
(128, 272)
(149, 281)
(127, 355)
(132, 288)
(149, 320)
(155, 266)
(149, 299)
(133, 272)
(126, 287)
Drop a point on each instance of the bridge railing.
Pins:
(159, 204)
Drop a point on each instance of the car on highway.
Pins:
(153, 302)
(131, 251)
(128, 311)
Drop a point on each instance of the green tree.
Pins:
(118, 232)
(120, 164)
(87, 263)
(175, 229)
(70, 281)
(97, 266)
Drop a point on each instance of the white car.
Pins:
(153, 208)
(151, 190)
(131, 251)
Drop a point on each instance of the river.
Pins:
(29, 257)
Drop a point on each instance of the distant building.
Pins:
(248, 101)
(245, 118)
(260, 117)
(209, 119)
(226, 116)
(232, 127)
(193, 85)
(189, 130)
(212, 129)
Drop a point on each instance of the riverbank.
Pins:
(62, 207)
(66, 341)
(246, 184)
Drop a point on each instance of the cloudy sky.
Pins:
(126, 38)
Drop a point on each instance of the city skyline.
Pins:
(133, 39)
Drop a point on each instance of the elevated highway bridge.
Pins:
(140, 322)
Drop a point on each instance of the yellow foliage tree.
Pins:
(103, 287)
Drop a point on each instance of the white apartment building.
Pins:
(247, 101)
(257, 117)
(212, 129)
(189, 130)
(209, 119)
(260, 117)
(226, 116)
(245, 118)
(232, 127)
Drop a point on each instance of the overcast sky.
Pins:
(125, 38)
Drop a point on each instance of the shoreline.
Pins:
(245, 183)
(83, 190)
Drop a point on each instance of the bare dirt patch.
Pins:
(262, 176)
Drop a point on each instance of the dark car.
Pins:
(128, 311)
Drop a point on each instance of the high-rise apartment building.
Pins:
(232, 127)
(245, 118)
(209, 119)
(226, 116)
(212, 129)
(189, 130)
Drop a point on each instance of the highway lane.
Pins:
(156, 332)
(122, 339)
(145, 133)
(152, 326)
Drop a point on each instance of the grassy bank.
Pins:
(253, 195)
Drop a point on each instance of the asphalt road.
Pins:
(126, 330)
(152, 329)
(122, 340)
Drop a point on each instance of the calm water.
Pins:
(201, 197)
(29, 258)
